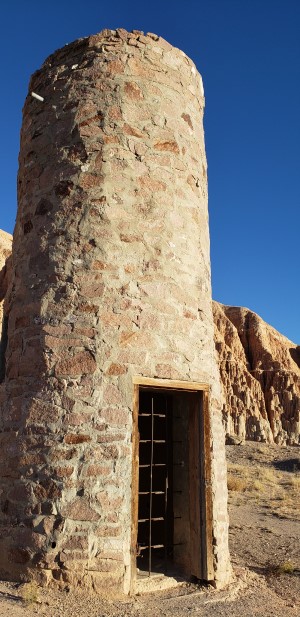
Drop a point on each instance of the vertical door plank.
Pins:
(135, 486)
(194, 486)
(206, 491)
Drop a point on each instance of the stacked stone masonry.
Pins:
(110, 279)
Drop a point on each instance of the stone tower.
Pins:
(110, 323)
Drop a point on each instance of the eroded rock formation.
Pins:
(260, 373)
(5, 267)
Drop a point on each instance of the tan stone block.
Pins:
(92, 289)
(115, 67)
(114, 416)
(133, 131)
(105, 452)
(110, 437)
(109, 531)
(108, 502)
(112, 395)
(166, 371)
(147, 182)
(114, 555)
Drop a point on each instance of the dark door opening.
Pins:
(171, 487)
(155, 536)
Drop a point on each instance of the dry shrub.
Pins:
(236, 484)
(267, 475)
(258, 486)
(294, 482)
(30, 592)
(286, 567)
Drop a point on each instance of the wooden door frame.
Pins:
(205, 486)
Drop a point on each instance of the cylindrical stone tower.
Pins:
(111, 283)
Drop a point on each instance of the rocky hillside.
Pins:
(5, 251)
(260, 374)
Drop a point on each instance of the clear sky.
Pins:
(248, 52)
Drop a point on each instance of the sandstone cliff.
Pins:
(260, 374)
(5, 251)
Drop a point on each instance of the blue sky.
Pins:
(248, 52)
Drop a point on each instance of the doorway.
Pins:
(171, 511)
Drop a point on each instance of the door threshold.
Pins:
(156, 582)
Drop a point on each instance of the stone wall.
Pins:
(260, 374)
(111, 279)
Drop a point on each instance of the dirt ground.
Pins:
(264, 507)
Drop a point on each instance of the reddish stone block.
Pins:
(80, 510)
(88, 181)
(75, 543)
(21, 492)
(77, 419)
(97, 470)
(40, 412)
(108, 502)
(132, 90)
(53, 341)
(80, 363)
(60, 330)
(112, 395)
(63, 472)
(117, 369)
(171, 146)
(19, 555)
(22, 322)
(114, 112)
(130, 130)
(84, 307)
(189, 315)
(73, 438)
(166, 371)
(187, 118)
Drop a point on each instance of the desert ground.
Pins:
(264, 507)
